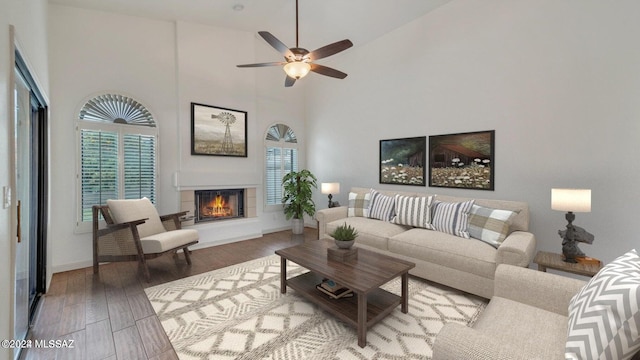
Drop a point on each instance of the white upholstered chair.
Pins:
(135, 231)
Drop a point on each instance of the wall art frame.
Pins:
(218, 131)
(402, 161)
(463, 160)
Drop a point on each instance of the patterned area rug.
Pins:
(238, 313)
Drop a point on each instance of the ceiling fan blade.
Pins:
(327, 71)
(261, 64)
(289, 81)
(330, 49)
(276, 44)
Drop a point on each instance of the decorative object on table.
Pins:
(297, 197)
(572, 200)
(330, 189)
(548, 260)
(344, 236)
(464, 160)
(299, 61)
(218, 131)
(402, 161)
(333, 289)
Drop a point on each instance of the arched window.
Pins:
(281, 157)
(117, 152)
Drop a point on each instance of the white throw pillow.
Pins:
(452, 218)
(604, 316)
(136, 209)
(413, 211)
(382, 207)
(490, 225)
(359, 204)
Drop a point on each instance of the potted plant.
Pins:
(344, 236)
(297, 197)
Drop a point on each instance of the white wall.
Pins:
(93, 52)
(165, 66)
(30, 22)
(559, 82)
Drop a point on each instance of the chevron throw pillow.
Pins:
(604, 316)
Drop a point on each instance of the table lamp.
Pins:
(572, 201)
(331, 188)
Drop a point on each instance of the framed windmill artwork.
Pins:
(218, 131)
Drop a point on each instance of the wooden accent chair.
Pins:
(135, 231)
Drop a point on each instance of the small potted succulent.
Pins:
(344, 236)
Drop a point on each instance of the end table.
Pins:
(548, 260)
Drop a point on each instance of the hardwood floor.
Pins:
(108, 315)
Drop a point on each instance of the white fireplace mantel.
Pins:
(201, 180)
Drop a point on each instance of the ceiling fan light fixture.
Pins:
(297, 69)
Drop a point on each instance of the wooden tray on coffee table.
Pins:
(364, 275)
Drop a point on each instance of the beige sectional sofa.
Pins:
(465, 264)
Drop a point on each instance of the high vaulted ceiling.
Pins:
(321, 21)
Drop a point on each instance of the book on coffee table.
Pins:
(333, 289)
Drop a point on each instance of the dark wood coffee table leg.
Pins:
(283, 275)
(362, 320)
(405, 293)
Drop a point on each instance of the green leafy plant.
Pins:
(344, 232)
(297, 197)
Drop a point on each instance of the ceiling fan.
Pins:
(299, 61)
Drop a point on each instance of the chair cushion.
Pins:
(467, 255)
(136, 209)
(168, 240)
(537, 333)
(604, 316)
(374, 233)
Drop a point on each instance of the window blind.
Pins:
(99, 169)
(139, 166)
(279, 162)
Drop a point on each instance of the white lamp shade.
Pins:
(574, 200)
(330, 188)
(297, 69)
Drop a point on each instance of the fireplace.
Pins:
(212, 205)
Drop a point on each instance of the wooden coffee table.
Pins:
(363, 275)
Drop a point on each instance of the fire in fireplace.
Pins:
(219, 204)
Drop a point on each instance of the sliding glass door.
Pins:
(30, 126)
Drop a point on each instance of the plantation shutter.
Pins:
(99, 169)
(280, 160)
(274, 176)
(139, 166)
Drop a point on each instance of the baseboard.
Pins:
(71, 266)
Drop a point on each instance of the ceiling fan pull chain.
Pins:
(297, 44)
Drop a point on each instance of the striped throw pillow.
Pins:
(413, 211)
(358, 204)
(452, 218)
(490, 225)
(382, 207)
(604, 316)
